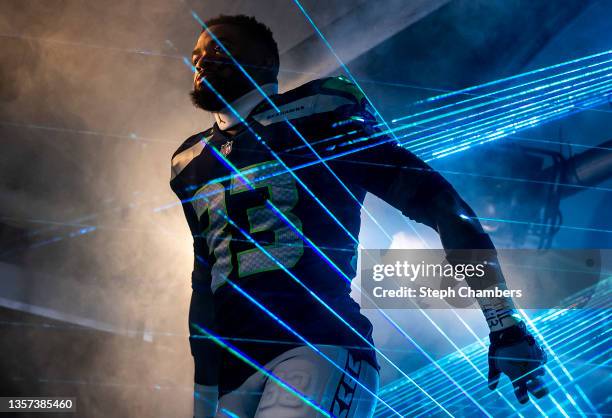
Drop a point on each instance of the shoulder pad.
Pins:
(318, 96)
(342, 86)
(191, 148)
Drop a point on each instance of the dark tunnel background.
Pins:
(94, 253)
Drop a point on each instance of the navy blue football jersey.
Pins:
(276, 207)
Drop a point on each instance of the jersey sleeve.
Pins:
(401, 179)
(201, 310)
(358, 149)
(361, 153)
(376, 163)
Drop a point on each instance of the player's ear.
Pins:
(270, 64)
(270, 69)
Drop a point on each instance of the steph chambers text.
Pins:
(449, 292)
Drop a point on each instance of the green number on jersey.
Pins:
(287, 248)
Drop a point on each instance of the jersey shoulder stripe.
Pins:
(342, 86)
(190, 149)
(317, 96)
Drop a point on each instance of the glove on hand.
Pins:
(515, 353)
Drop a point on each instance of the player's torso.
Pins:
(264, 223)
(276, 230)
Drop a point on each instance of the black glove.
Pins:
(514, 352)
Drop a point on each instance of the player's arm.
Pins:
(410, 185)
(201, 309)
(419, 192)
(205, 352)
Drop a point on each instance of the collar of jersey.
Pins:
(244, 105)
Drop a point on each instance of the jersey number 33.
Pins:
(211, 205)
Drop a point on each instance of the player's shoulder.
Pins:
(193, 140)
(188, 150)
(315, 97)
(342, 87)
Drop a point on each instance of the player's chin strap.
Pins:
(205, 399)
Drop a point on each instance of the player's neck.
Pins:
(240, 108)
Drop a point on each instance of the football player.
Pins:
(271, 220)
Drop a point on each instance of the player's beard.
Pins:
(206, 99)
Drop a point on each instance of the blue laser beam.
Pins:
(320, 253)
(245, 181)
(326, 306)
(455, 120)
(344, 67)
(497, 118)
(558, 335)
(556, 338)
(430, 128)
(343, 154)
(358, 149)
(520, 222)
(319, 158)
(483, 135)
(526, 108)
(260, 368)
(495, 94)
(285, 119)
(228, 164)
(562, 336)
(544, 112)
(550, 350)
(476, 387)
(539, 87)
(477, 139)
(154, 53)
(309, 344)
(513, 77)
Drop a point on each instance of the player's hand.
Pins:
(515, 353)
